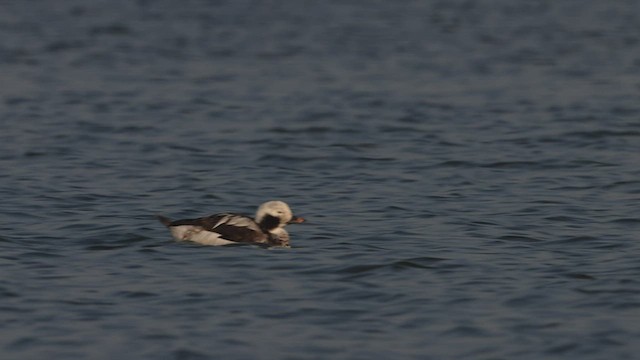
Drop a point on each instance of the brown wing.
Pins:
(232, 227)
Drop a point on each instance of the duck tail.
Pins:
(165, 220)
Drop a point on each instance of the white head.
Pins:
(275, 215)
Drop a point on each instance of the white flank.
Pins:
(198, 235)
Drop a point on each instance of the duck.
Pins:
(266, 229)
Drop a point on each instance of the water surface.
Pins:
(469, 172)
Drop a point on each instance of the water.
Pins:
(469, 171)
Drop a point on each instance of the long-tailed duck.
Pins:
(223, 229)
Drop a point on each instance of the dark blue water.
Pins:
(470, 172)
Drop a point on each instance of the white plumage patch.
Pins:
(197, 234)
(239, 221)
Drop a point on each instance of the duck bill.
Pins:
(296, 220)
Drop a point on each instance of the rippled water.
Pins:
(470, 172)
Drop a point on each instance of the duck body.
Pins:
(229, 228)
